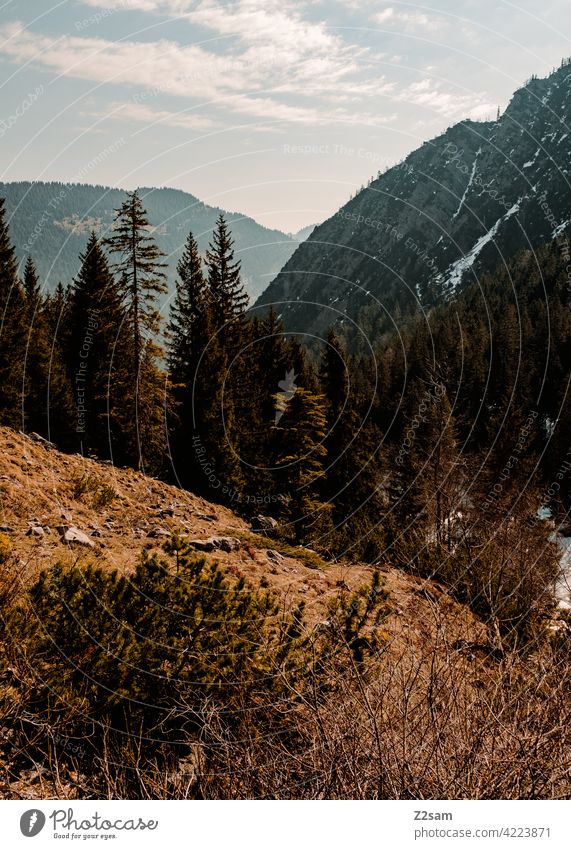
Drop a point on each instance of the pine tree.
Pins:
(46, 393)
(142, 280)
(98, 355)
(12, 322)
(352, 470)
(229, 299)
(188, 315)
(139, 269)
(189, 332)
(301, 432)
(31, 284)
(230, 337)
(430, 469)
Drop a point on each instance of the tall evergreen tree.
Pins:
(46, 393)
(229, 341)
(229, 299)
(98, 356)
(12, 320)
(140, 269)
(189, 313)
(189, 332)
(352, 469)
(301, 432)
(142, 280)
(31, 283)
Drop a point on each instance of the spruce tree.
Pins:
(352, 468)
(98, 355)
(229, 299)
(142, 280)
(139, 268)
(189, 332)
(189, 313)
(31, 284)
(46, 394)
(224, 359)
(301, 432)
(12, 323)
(266, 365)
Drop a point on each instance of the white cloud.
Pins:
(175, 69)
(219, 81)
(408, 20)
(143, 113)
(270, 37)
(432, 95)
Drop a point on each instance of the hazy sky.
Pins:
(275, 108)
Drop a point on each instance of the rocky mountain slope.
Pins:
(457, 206)
(58, 507)
(52, 221)
(67, 509)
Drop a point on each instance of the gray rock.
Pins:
(159, 532)
(202, 544)
(264, 524)
(275, 555)
(216, 543)
(73, 536)
(6, 529)
(227, 543)
(35, 531)
(35, 437)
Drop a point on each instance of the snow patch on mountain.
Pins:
(470, 181)
(457, 270)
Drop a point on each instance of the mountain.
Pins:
(52, 221)
(304, 233)
(456, 207)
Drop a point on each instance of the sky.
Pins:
(279, 109)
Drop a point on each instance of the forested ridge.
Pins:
(441, 453)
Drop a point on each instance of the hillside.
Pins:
(455, 208)
(121, 511)
(52, 221)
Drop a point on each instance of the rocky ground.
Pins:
(57, 507)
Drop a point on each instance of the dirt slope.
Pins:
(44, 492)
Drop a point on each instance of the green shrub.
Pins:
(102, 494)
(142, 661)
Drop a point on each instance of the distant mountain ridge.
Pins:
(304, 233)
(51, 221)
(456, 207)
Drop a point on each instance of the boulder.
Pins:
(159, 532)
(35, 437)
(264, 524)
(274, 555)
(35, 531)
(73, 536)
(201, 544)
(216, 543)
